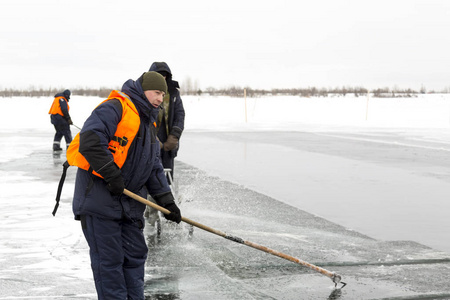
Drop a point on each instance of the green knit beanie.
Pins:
(154, 81)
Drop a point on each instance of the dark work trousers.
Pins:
(168, 162)
(62, 129)
(118, 252)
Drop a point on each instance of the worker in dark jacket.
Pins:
(116, 149)
(60, 118)
(170, 121)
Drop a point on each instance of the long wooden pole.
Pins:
(336, 278)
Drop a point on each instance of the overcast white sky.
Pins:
(260, 44)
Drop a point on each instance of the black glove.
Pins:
(116, 185)
(69, 120)
(175, 213)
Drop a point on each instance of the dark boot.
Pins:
(56, 146)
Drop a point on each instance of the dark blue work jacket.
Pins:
(142, 171)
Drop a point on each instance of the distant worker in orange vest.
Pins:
(60, 118)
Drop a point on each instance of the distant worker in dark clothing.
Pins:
(60, 118)
(170, 122)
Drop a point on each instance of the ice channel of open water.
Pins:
(384, 202)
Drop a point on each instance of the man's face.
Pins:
(155, 97)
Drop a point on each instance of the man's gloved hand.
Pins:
(116, 185)
(171, 143)
(175, 213)
(70, 121)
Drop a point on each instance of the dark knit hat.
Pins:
(66, 94)
(154, 81)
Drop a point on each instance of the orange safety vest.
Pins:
(123, 137)
(56, 108)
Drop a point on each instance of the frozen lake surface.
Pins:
(367, 202)
(46, 257)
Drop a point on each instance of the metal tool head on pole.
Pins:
(336, 278)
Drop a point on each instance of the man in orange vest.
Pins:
(60, 118)
(117, 148)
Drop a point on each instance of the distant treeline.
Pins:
(236, 92)
(100, 92)
(311, 92)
